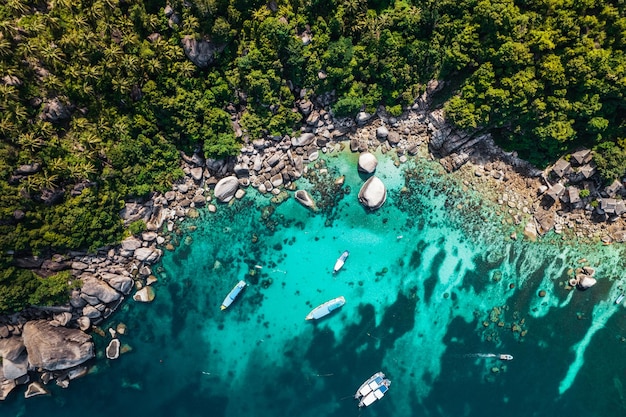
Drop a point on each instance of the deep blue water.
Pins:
(432, 280)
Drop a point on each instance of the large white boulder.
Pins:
(367, 162)
(303, 140)
(373, 193)
(113, 349)
(226, 188)
(99, 289)
(148, 255)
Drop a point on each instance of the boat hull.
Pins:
(233, 294)
(341, 261)
(373, 389)
(325, 309)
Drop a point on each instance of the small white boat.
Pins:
(326, 308)
(372, 390)
(341, 261)
(233, 294)
(505, 357)
(619, 299)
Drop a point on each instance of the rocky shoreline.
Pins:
(43, 345)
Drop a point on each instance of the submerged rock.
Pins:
(373, 193)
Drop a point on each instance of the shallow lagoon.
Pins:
(432, 280)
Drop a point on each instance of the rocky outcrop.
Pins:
(145, 295)
(55, 110)
(56, 348)
(367, 163)
(113, 349)
(99, 289)
(303, 197)
(226, 188)
(6, 386)
(148, 255)
(373, 193)
(34, 389)
(200, 52)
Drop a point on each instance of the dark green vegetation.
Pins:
(97, 97)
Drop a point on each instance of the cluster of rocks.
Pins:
(40, 345)
(567, 198)
(583, 278)
(271, 165)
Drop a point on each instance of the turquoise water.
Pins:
(431, 282)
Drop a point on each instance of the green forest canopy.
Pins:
(544, 76)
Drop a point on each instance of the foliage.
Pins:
(544, 77)
(16, 287)
(137, 227)
(53, 290)
(611, 161)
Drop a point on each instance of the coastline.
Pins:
(272, 166)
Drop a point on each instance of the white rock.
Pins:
(148, 255)
(367, 162)
(303, 140)
(382, 132)
(226, 188)
(373, 193)
(131, 243)
(113, 349)
(144, 295)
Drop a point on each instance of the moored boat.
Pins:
(619, 299)
(505, 357)
(233, 294)
(341, 260)
(326, 308)
(372, 390)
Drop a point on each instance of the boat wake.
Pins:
(480, 355)
(501, 356)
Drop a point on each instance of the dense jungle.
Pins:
(98, 98)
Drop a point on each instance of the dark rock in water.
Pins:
(56, 348)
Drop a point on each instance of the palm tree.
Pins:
(58, 166)
(30, 142)
(46, 180)
(19, 7)
(82, 170)
(6, 125)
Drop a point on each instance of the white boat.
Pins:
(326, 308)
(233, 294)
(619, 299)
(341, 260)
(372, 390)
(505, 357)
